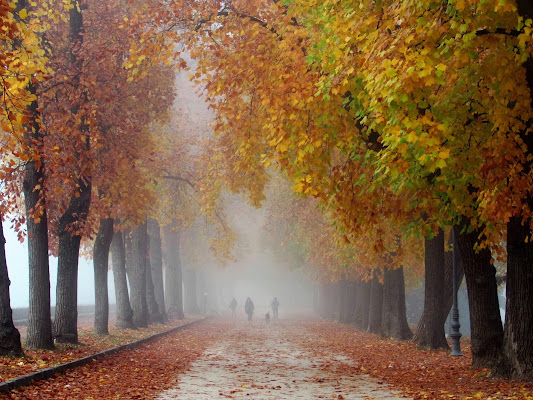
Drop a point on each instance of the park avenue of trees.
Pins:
(396, 123)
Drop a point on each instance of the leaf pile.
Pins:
(89, 343)
(422, 374)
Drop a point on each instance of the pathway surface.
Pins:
(261, 361)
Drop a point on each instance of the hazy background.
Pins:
(17, 265)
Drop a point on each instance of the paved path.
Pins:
(262, 361)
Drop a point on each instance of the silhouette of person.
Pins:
(233, 306)
(249, 308)
(275, 306)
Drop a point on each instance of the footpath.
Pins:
(266, 361)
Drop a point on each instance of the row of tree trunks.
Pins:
(190, 294)
(378, 308)
(10, 344)
(102, 243)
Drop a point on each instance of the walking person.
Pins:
(233, 306)
(249, 308)
(275, 306)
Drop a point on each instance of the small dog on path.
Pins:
(267, 317)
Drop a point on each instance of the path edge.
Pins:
(25, 380)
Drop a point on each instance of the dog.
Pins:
(267, 318)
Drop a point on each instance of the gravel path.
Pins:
(262, 361)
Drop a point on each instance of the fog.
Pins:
(17, 264)
(258, 271)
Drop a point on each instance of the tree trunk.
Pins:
(376, 305)
(9, 335)
(173, 272)
(66, 318)
(156, 263)
(191, 298)
(101, 262)
(394, 318)
(430, 330)
(517, 357)
(362, 305)
(124, 312)
(347, 300)
(39, 334)
(136, 253)
(485, 320)
(151, 302)
(329, 300)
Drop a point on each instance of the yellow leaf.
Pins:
(23, 13)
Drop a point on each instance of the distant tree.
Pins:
(173, 271)
(102, 244)
(136, 255)
(124, 312)
(394, 317)
(156, 263)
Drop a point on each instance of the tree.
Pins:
(136, 254)
(102, 244)
(156, 263)
(9, 335)
(124, 312)
(430, 329)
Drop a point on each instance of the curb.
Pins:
(24, 380)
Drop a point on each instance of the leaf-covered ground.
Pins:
(161, 367)
(89, 343)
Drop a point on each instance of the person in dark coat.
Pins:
(249, 308)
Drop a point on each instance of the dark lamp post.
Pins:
(455, 335)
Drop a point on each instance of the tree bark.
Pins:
(173, 273)
(124, 312)
(156, 263)
(485, 320)
(10, 344)
(394, 317)
(66, 318)
(191, 298)
(136, 253)
(430, 330)
(376, 305)
(39, 334)
(517, 354)
(362, 305)
(151, 302)
(102, 244)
